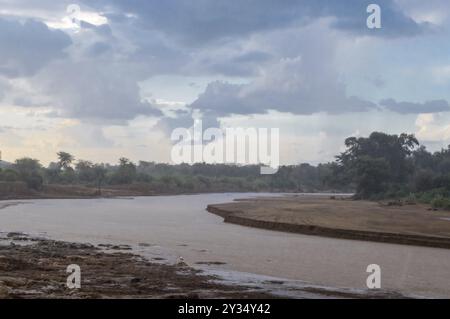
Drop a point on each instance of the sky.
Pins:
(109, 79)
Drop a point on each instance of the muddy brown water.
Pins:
(166, 227)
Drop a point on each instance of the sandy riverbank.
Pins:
(76, 191)
(57, 191)
(342, 218)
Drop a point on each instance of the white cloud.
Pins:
(430, 130)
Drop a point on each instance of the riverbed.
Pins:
(166, 228)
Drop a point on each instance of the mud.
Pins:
(37, 269)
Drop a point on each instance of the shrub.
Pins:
(441, 202)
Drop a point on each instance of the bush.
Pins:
(9, 175)
(441, 202)
(34, 181)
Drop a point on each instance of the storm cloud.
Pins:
(29, 46)
(433, 106)
(201, 21)
(302, 62)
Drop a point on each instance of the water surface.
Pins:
(172, 226)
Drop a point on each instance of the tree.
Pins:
(377, 162)
(85, 171)
(126, 173)
(9, 175)
(99, 176)
(29, 171)
(372, 176)
(65, 160)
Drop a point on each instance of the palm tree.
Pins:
(65, 159)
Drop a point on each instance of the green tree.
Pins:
(378, 162)
(126, 172)
(9, 175)
(65, 159)
(85, 171)
(372, 176)
(99, 175)
(29, 171)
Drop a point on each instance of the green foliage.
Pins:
(65, 160)
(441, 202)
(29, 171)
(9, 175)
(125, 174)
(372, 175)
(376, 163)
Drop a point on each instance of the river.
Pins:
(172, 226)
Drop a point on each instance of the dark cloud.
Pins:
(185, 119)
(300, 86)
(202, 21)
(433, 106)
(224, 99)
(94, 91)
(292, 68)
(27, 47)
(352, 17)
(240, 64)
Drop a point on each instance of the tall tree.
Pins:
(378, 161)
(29, 171)
(65, 159)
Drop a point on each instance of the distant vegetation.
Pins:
(376, 167)
(165, 178)
(394, 166)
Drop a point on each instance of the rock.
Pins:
(13, 282)
(158, 258)
(209, 263)
(16, 234)
(4, 291)
(121, 247)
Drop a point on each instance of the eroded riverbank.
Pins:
(341, 218)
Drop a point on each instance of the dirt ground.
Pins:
(342, 217)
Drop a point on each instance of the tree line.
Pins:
(166, 178)
(375, 167)
(394, 166)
